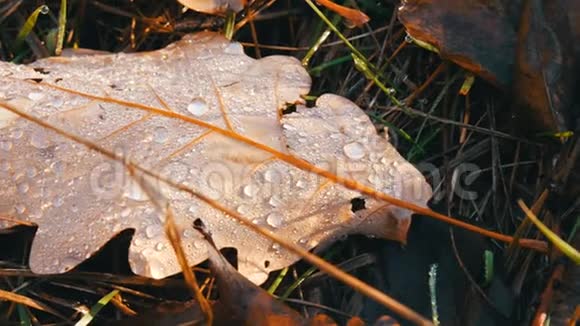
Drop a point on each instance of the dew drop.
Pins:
(192, 209)
(35, 96)
(243, 209)
(159, 246)
(354, 150)
(16, 133)
(44, 9)
(271, 175)
(20, 208)
(4, 165)
(197, 107)
(234, 48)
(187, 233)
(275, 201)
(274, 220)
(250, 190)
(57, 201)
(126, 212)
(152, 231)
(374, 179)
(135, 192)
(57, 167)
(39, 140)
(138, 242)
(23, 187)
(156, 269)
(301, 184)
(160, 135)
(5, 145)
(213, 194)
(31, 172)
(198, 244)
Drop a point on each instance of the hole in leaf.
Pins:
(198, 223)
(357, 204)
(42, 70)
(291, 108)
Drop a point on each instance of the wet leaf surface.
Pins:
(203, 116)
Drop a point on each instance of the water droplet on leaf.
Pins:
(152, 231)
(197, 107)
(250, 190)
(274, 220)
(160, 135)
(271, 175)
(275, 201)
(354, 150)
(39, 140)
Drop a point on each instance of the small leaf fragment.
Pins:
(354, 16)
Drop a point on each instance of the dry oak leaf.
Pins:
(80, 198)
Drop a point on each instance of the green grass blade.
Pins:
(230, 26)
(423, 44)
(23, 315)
(488, 268)
(29, 25)
(356, 54)
(318, 69)
(61, 28)
(363, 66)
(562, 245)
(96, 308)
(433, 294)
(334, 29)
(315, 47)
(297, 283)
(277, 281)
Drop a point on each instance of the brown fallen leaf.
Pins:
(475, 34)
(529, 47)
(242, 301)
(546, 66)
(199, 116)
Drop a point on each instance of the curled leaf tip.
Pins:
(354, 16)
